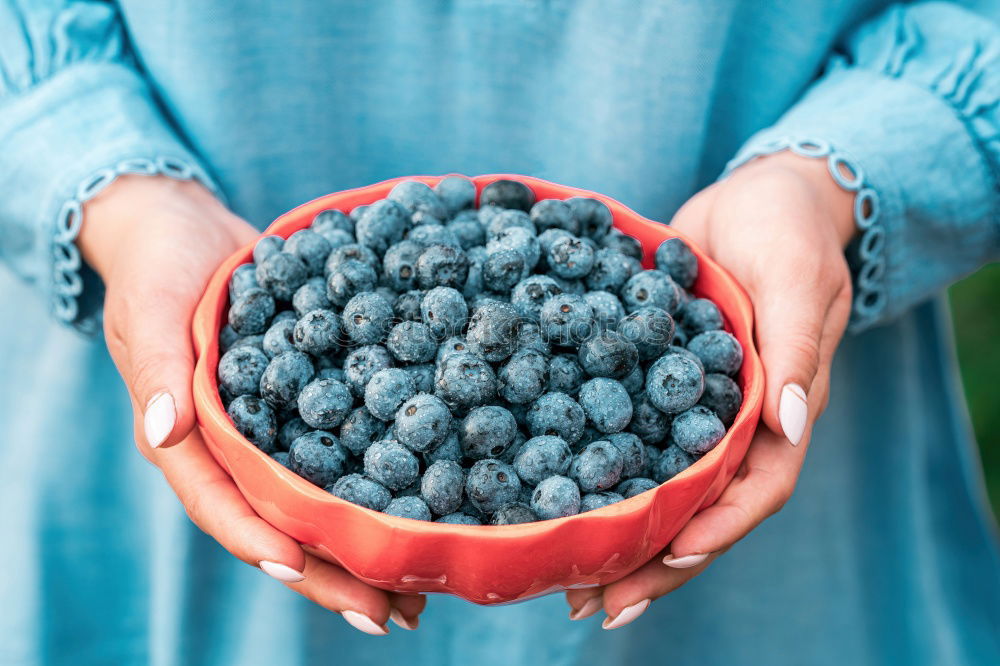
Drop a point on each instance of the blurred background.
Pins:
(975, 305)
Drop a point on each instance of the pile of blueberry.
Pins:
(497, 365)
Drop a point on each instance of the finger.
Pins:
(406, 609)
(584, 603)
(215, 504)
(364, 607)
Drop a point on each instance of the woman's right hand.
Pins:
(155, 242)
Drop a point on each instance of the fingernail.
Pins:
(362, 622)
(792, 412)
(159, 419)
(282, 572)
(628, 614)
(397, 616)
(592, 606)
(685, 562)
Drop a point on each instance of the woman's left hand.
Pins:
(779, 224)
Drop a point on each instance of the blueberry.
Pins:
(633, 453)
(251, 312)
(556, 414)
(608, 354)
(331, 373)
(597, 467)
(356, 213)
(468, 230)
(671, 462)
(311, 296)
(634, 382)
(449, 449)
(650, 329)
(567, 319)
(290, 431)
(422, 422)
(681, 351)
(318, 332)
(507, 194)
(406, 307)
(531, 293)
(608, 310)
(674, 383)
(444, 311)
(648, 422)
(509, 218)
(632, 487)
(412, 342)
(366, 318)
(458, 518)
(240, 370)
(486, 432)
(399, 265)
(331, 220)
(408, 506)
(354, 251)
(697, 430)
(310, 247)
(362, 363)
(360, 430)
(592, 501)
(452, 345)
(387, 390)
(565, 375)
(434, 234)
(593, 216)
(611, 270)
(699, 315)
(524, 377)
(383, 224)
(556, 497)
(542, 457)
(442, 266)
(285, 376)
(391, 464)
(570, 258)
(519, 439)
(492, 484)
(281, 274)
(456, 193)
(554, 214)
(493, 331)
(419, 197)
(464, 380)
(352, 277)
(723, 396)
(719, 351)
(545, 241)
(443, 487)
(324, 403)
(281, 457)
(513, 514)
(255, 421)
(651, 288)
(517, 238)
(317, 457)
(502, 270)
(616, 240)
(606, 404)
(243, 278)
(675, 258)
(267, 246)
(227, 338)
(249, 341)
(362, 491)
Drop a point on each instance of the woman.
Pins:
(140, 136)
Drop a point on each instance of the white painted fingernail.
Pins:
(793, 410)
(362, 622)
(159, 419)
(396, 616)
(592, 606)
(282, 572)
(628, 614)
(685, 562)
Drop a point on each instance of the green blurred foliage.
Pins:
(975, 304)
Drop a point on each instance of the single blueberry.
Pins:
(597, 467)
(331, 220)
(513, 514)
(502, 270)
(529, 338)
(674, 383)
(317, 457)
(266, 246)
(240, 370)
(362, 363)
(443, 487)
(608, 354)
(243, 278)
(671, 462)
(367, 318)
(255, 420)
(531, 293)
(352, 277)
(557, 414)
(486, 432)
(399, 265)
(554, 214)
(723, 396)
(311, 296)
(592, 501)
(517, 238)
(412, 342)
(419, 197)
(360, 430)
(565, 374)
(456, 193)
(310, 247)
(608, 310)
(651, 288)
(317, 332)
(632, 487)
(650, 329)
(251, 312)
(362, 491)
(699, 315)
(570, 258)
(634, 382)
(524, 377)
(616, 240)
(507, 194)
(464, 380)
(555, 497)
(422, 422)
(391, 464)
(567, 319)
(593, 216)
(227, 338)
(468, 230)
(648, 422)
(697, 430)
(281, 274)
(280, 337)
(354, 251)
(434, 234)
(383, 224)
(324, 403)
(506, 219)
(284, 377)
(633, 453)
(281, 457)
(408, 506)
(406, 307)
(675, 258)
(492, 484)
(493, 331)
(290, 431)
(386, 391)
(719, 351)
(444, 311)
(459, 518)
(442, 266)
(611, 270)
(542, 457)
(606, 404)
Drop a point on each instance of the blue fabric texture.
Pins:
(887, 553)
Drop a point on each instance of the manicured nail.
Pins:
(792, 412)
(362, 622)
(685, 562)
(282, 572)
(628, 614)
(592, 606)
(159, 419)
(396, 616)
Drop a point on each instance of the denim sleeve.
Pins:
(75, 112)
(907, 113)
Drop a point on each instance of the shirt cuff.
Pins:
(61, 143)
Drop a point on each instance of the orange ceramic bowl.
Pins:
(484, 564)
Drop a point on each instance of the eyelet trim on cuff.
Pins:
(67, 280)
(869, 286)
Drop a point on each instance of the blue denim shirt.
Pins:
(886, 552)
